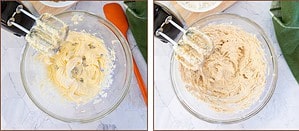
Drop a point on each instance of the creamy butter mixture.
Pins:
(81, 66)
(233, 77)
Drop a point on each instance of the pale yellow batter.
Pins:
(233, 77)
(80, 66)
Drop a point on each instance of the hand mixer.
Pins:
(192, 49)
(45, 36)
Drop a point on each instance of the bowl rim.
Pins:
(128, 79)
(267, 96)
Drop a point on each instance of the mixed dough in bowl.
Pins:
(81, 67)
(233, 76)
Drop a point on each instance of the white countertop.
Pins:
(19, 112)
(282, 111)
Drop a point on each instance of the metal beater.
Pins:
(46, 35)
(194, 45)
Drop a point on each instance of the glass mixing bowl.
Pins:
(42, 92)
(201, 109)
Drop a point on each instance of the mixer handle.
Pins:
(161, 12)
(9, 12)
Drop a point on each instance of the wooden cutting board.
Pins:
(191, 17)
(41, 8)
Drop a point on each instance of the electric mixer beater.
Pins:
(194, 46)
(45, 36)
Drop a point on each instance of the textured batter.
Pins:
(233, 77)
(80, 67)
